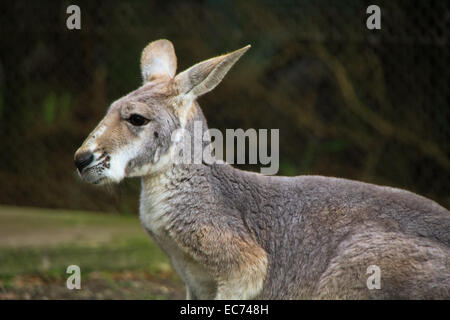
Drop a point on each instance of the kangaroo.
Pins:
(232, 234)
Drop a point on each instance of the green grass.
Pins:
(42, 243)
(132, 254)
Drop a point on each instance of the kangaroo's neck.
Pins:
(182, 193)
(175, 198)
(179, 186)
(190, 196)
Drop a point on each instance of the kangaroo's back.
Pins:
(322, 234)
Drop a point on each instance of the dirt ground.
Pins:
(116, 257)
(121, 285)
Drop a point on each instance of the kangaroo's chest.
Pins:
(155, 210)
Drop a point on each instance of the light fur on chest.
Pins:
(154, 208)
(245, 282)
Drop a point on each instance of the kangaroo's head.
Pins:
(135, 136)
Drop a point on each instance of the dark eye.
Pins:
(137, 120)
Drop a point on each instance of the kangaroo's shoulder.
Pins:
(316, 187)
(377, 196)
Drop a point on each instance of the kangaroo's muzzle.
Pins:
(83, 159)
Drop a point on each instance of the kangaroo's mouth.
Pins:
(94, 174)
(100, 181)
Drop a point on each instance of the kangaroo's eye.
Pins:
(137, 120)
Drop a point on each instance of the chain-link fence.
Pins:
(371, 105)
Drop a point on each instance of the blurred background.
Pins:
(371, 105)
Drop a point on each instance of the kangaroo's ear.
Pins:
(206, 75)
(158, 59)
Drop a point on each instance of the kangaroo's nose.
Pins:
(83, 159)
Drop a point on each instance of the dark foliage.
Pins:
(349, 102)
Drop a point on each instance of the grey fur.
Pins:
(236, 234)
